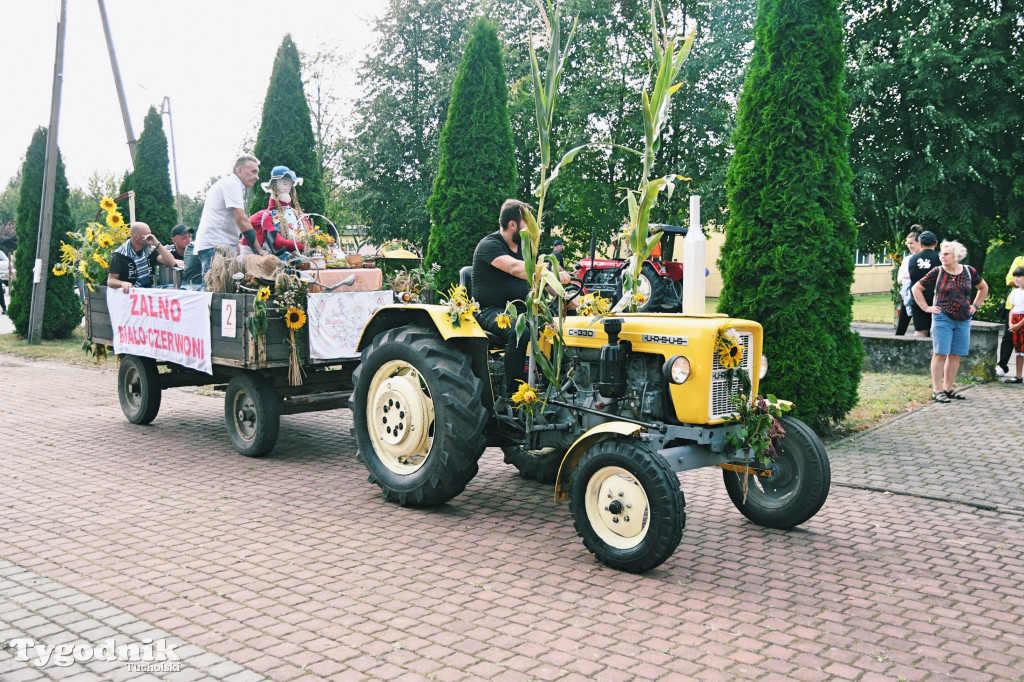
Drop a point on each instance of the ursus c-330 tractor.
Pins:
(642, 397)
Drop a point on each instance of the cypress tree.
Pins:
(477, 170)
(151, 180)
(788, 257)
(63, 308)
(286, 136)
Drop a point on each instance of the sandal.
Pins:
(1015, 380)
(953, 395)
(940, 397)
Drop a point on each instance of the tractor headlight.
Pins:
(764, 367)
(677, 369)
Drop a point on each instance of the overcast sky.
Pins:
(212, 58)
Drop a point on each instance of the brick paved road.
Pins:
(293, 567)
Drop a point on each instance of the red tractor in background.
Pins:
(661, 277)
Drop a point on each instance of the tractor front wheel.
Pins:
(418, 417)
(801, 476)
(626, 504)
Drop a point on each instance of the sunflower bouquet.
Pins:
(593, 305)
(460, 305)
(728, 349)
(292, 303)
(88, 254)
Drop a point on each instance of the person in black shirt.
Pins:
(557, 248)
(133, 263)
(919, 265)
(499, 277)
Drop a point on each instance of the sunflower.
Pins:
(263, 294)
(99, 260)
(88, 234)
(549, 331)
(83, 267)
(115, 220)
(107, 204)
(68, 254)
(295, 318)
(641, 298)
(104, 241)
(525, 394)
(730, 357)
(60, 269)
(503, 321)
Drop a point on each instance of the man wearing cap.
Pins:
(557, 249)
(183, 250)
(919, 265)
(279, 223)
(224, 217)
(133, 264)
(181, 237)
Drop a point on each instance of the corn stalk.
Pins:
(543, 273)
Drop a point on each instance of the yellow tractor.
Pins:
(641, 398)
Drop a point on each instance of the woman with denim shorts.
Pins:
(951, 315)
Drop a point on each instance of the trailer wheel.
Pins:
(251, 413)
(626, 504)
(418, 417)
(138, 389)
(799, 485)
(540, 465)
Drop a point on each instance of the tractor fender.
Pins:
(584, 443)
(430, 316)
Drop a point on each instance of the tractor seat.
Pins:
(466, 280)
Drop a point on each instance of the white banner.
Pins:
(164, 324)
(336, 321)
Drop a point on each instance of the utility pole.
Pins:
(42, 265)
(117, 83)
(165, 108)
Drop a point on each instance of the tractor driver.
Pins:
(499, 277)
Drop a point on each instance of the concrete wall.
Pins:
(911, 354)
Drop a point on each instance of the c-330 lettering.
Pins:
(589, 333)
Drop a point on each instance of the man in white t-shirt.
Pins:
(224, 217)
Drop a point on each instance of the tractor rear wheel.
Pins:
(626, 504)
(799, 484)
(654, 288)
(540, 465)
(418, 417)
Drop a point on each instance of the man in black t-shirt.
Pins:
(133, 264)
(499, 277)
(919, 265)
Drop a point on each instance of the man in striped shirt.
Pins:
(133, 263)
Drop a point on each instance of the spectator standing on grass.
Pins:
(1006, 345)
(951, 315)
(1015, 322)
(919, 265)
(903, 280)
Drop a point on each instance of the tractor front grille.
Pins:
(720, 404)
